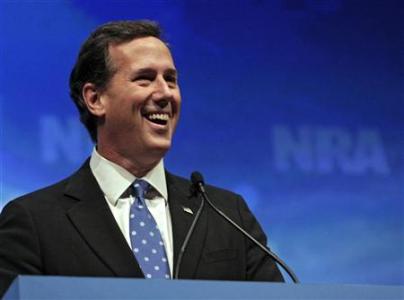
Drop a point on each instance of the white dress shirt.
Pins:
(115, 180)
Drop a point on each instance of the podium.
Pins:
(54, 287)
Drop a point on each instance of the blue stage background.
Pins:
(298, 105)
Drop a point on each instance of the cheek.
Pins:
(178, 102)
(120, 114)
(128, 106)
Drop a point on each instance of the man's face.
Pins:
(142, 99)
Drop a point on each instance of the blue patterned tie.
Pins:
(145, 237)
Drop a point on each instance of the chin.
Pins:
(160, 147)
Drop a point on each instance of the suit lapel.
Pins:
(93, 219)
(182, 201)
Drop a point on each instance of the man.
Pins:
(126, 89)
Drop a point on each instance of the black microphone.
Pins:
(187, 238)
(198, 182)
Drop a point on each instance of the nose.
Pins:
(163, 90)
(163, 93)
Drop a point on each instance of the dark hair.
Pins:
(94, 64)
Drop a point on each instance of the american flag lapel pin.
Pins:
(187, 210)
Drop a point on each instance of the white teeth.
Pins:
(163, 117)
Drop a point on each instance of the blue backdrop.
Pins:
(296, 104)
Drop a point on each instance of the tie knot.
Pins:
(140, 188)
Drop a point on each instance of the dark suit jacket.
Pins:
(68, 229)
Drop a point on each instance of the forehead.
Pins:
(141, 52)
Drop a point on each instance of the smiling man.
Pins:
(122, 214)
(138, 109)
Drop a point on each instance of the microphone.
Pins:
(198, 182)
(187, 238)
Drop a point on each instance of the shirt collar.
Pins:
(115, 180)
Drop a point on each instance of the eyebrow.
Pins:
(169, 71)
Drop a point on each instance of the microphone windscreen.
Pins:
(197, 178)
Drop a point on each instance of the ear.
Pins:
(92, 98)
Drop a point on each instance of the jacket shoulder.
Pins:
(48, 194)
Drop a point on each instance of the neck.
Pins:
(137, 165)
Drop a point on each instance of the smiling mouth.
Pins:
(156, 118)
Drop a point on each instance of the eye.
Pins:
(143, 79)
(171, 79)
